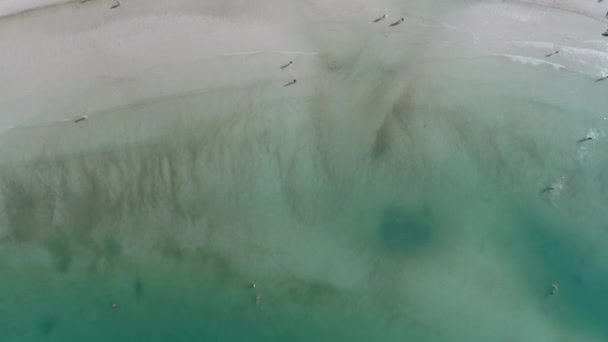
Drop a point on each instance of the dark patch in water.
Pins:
(59, 248)
(171, 249)
(29, 206)
(312, 292)
(111, 247)
(138, 287)
(403, 230)
(548, 252)
(381, 143)
(47, 325)
(216, 264)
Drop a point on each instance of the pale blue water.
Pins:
(392, 195)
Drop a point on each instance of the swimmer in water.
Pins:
(283, 67)
(587, 138)
(397, 22)
(601, 78)
(117, 5)
(82, 118)
(290, 83)
(114, 305)
(552, 53)
(252, 286)
(549, 188)
(554, 290)
(257, 299)
(381, 18)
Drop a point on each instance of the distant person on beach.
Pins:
(605, 34)
(283, 67)
(381, 18)
(552, 53)
(117, 5)
(398, 22)
(290, 83)
(82, 118)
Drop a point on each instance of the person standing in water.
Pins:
(554, 290)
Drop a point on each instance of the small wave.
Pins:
(524, 17)
(538, 45)
(582, 153)
(600, 43)
(532, 61)
(247, 53)
(592, 57)
(296, 52)
(586, 52)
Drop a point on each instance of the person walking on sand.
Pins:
(384, 16)
(552, 53)
(82, 118)
(398, 22)
(283, 67)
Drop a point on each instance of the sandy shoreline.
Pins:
(398, 184)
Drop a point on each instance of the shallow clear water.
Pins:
(397, 192)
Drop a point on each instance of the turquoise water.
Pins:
(400, 198)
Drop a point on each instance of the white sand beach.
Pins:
(419, 182)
